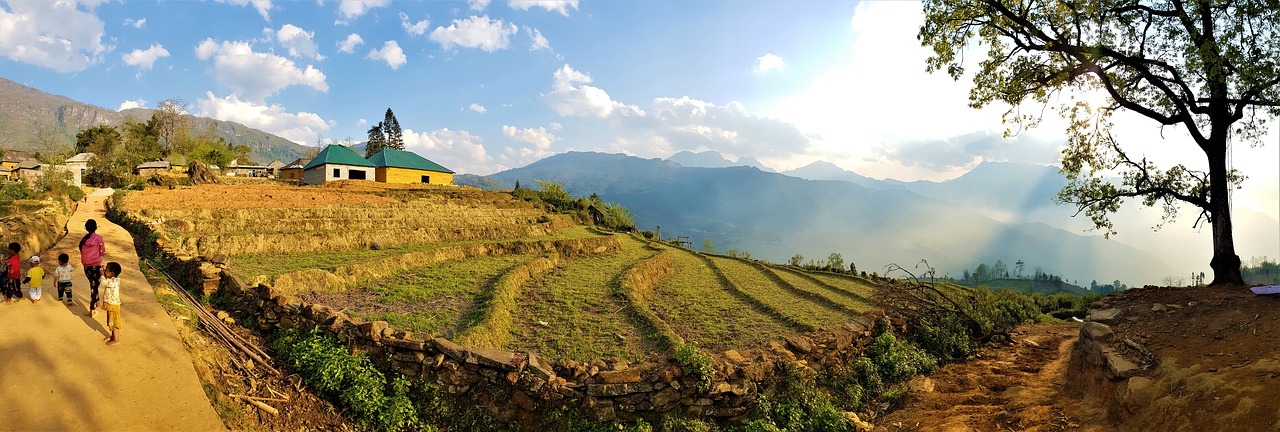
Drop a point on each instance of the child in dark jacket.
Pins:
(13, 268)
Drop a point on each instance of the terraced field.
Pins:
(488, 270)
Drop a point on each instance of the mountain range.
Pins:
(775, 216)
(29, 117)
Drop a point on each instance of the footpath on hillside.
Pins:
(56, 373)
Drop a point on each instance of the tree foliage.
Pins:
(377, 141)
(96, 136)
(1211, 68)
(391, 129)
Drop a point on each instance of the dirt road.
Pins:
(57, 374)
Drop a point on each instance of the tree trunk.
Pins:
(1225, 263)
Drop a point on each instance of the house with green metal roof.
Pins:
(336, 162)
(406, 167)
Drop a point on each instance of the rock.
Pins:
(618, 389)
(540, 368)
(1106, 316)
(523, 401)
(1119, 367)
(1159, 307)
(376, 246)
(1139, 393)
(862, 426)
(199, 173)
(800, 343)
(619, 376)
(449, 348)
(220, 259)
(222, 315)
(920, 385)
(229, 320)
(1096, 331)
(734, 356)
(506, 360)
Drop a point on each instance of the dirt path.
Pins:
(1014, 387)
(56, 373)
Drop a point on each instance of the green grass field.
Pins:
(707, 314)
(754, 283)
(583, 317)
(847, 299)
(854, 286)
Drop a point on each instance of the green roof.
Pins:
(338, 155)
(405, 159)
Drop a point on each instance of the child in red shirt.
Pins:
(13, 266)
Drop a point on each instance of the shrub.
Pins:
(698, 366)
(799, 405)
(350, 379)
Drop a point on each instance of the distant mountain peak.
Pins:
(704, 159)
(753, 162)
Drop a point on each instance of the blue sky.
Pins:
(483, 86)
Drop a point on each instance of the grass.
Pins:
(271, 265)
(851, 285)
(756, 284)
(810, 284)
(437, 300)
(705, 313)
(583, 317)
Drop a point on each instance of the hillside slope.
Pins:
(28, 114)
(774, 216)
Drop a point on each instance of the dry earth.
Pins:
(248, 196)
(1214, 364)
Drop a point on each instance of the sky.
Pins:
(481, 86)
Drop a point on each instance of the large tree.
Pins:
(1208, 67)
(376, 141)
(391, 128)
(168, 122)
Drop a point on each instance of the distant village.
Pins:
(334, 162)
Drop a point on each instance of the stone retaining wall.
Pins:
(1103, 370)
(38, 230)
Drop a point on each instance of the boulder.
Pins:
(1106, 316)
(1096, 331)
(619, 376)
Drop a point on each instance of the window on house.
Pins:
(356, 175)
(426, 179)
(337, 173)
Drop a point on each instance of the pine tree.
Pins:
(376, 141)
(391, 128)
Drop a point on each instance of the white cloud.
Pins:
(570, 96)
(692, 124)
(254, 75)
(540, 137)
(561, 6)
(475, 32)
(539, 42)
(349, 44)
(139, 23)
(769, 63)
(263, 6)
(136, 103)
(65, 36)
(478, 5)
(144, 59)
(478, 108)
(298, 42)
(352, 9)
(301, 127)
(416, 29)
(459, 151)
(390, 53)
(362, 122)
(556, 126)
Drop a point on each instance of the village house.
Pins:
(11, 160)
(28, 170)
(148, 169)
(79, 167)
(245, 169)
(399, 166)
(273, 168)
(293, 170)
(337, 162)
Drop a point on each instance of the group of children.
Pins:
(91, 250)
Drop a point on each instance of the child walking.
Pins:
(62, 276)
(111, 296)
(34, 280)
(92, 247)
(13, 268)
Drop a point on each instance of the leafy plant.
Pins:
(697, 365)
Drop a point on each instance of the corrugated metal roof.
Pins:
(338, 155)
(405, 159)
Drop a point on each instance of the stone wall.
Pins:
(1105, 365)
(38, 230)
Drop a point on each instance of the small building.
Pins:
(273, 168)
(79, 167)
(149, 169)
(246, 169)
(293, 170)
(336, 162)
(28, 171)
(12, 159)
(405, 167)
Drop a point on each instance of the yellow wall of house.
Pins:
(291, 174)
(405, 176)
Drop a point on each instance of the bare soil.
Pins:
(1214, 364)
(251, 196)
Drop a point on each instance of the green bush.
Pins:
(798, 406)
(696, 365)
(350, 379)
